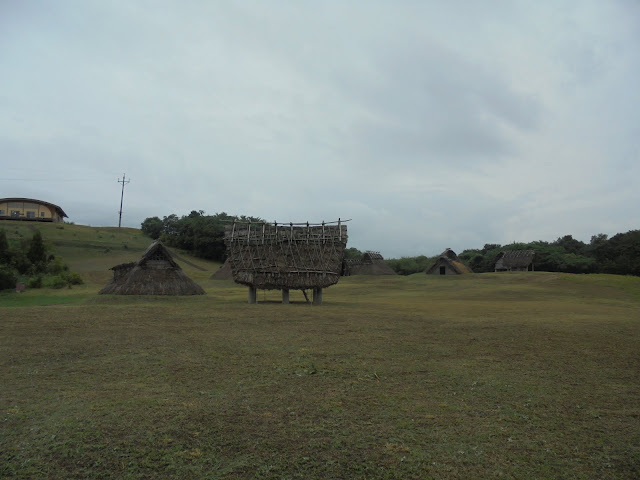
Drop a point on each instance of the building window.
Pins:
(15, 213)
(42, 214)
(1, 212)
(31, 214)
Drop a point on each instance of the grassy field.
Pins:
(482, 376)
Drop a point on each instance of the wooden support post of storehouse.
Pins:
(317, 296)
(253, 295)
(285, 295)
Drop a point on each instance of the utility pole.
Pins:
(123, 182)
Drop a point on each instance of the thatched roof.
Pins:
(156, 273)
(224, 272)
(288, 256)
(514, 259)
(371, 263)
(370, 256)
(448, 258)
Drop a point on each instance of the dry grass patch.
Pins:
(507, 376)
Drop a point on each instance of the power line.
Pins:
(123, 182)
(50, 180)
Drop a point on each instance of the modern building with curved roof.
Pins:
(30, 209)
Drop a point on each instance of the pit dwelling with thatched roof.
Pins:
(293, 256)
(224, 272)
(371, 263)
(156, 273)
(515, 261)
(448, 263)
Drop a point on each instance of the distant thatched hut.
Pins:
(156, 273)
(371, 263)
(286, 256)
(448, 264)
(515, 261)
(224, 272)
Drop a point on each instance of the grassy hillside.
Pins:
(92, 251)
(479, 376)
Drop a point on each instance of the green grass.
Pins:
(481, 376)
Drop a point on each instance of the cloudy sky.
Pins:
(430, 124)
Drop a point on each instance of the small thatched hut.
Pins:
(293, 256)
(515, 261)
(156, 273)
(224, 272)
(371, 263)
(448, 264)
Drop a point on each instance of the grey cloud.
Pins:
(459, 128)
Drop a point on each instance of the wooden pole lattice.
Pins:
(296, 256)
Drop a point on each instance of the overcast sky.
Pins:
(430, 124)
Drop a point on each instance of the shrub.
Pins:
(56, 267)
(37, 252)
(57, 282)
(73, 278)
(35, 282)
(8, 278)
(20, 262)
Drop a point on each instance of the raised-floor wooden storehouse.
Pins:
(515, 261)
(30, 209)
(448, 263)
(371, 263)
(293, 256)
(156, 273)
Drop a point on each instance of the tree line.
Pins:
(30, 261)
(203, 236)
(619, 255)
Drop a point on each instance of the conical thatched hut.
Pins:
(224, 272)
(448, 264)
(371, 263)
(286, 257)
(156, 273)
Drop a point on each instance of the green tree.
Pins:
(152, 227)
(200, 234)
(37, 252)
(5, 255)
(8, 277)
(410, 265)
(571, 245)
(352, 253)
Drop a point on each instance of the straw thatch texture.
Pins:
(515, 261)
(224, 272)
(371, 263)
(288, 257)
(448, 264)
(156, 273)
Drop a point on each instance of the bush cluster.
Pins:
(31, 262)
